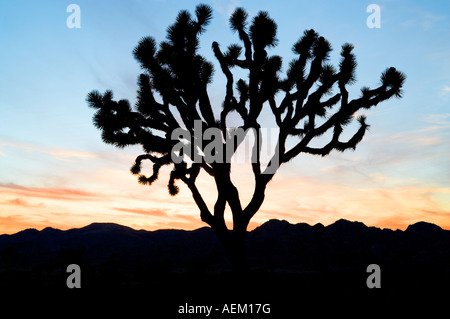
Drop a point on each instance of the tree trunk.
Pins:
(237, 251)
(234, 243)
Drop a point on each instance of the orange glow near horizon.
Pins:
(121, 200)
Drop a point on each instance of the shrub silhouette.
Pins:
(173, 94)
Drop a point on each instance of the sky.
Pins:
(55, 171)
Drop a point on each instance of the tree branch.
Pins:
(205, 214)
(205, 107)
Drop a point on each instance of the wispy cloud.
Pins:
(429, 20)
(21, 202)
(225, 7)
(49, 193)
(149, 212)
(67, 155)
(424, 136)
(439, 119)
(422, 145)
(425, 20)
(59, 154)
(428, 212)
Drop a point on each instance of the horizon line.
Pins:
(206, 226)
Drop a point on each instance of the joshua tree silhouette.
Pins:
(173, 94)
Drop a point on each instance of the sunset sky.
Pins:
(56, 171)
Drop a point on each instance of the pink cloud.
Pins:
(140, 211)
(21, 202)
(49, 193)
(57, 153)
(67, 155)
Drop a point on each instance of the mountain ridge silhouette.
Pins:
(104, 225)
(275, 245)
(288, 262)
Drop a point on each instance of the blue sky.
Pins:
(48, 142)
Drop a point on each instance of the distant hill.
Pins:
(275, 245)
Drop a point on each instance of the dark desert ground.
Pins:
(294, 268)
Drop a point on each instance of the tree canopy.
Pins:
(173, 95)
